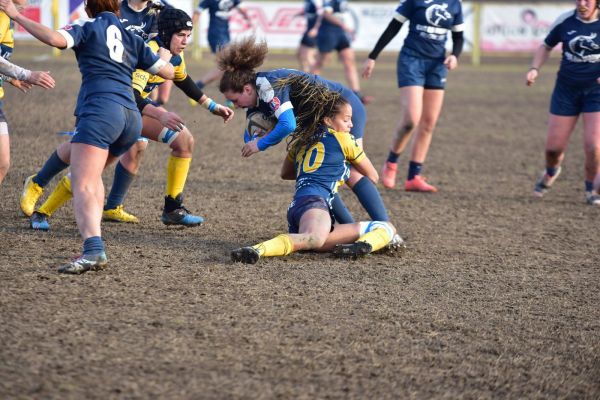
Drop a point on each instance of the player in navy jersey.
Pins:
(158, 124)
(247, 88)
(335, 34)
(576, 92)
(108, 121)
(319, 150)
(421, 71)
(307, 51)
(219, 12)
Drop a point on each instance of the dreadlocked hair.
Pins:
(238, 61)
(313, 102)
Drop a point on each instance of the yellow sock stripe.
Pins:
(61, 194)
(177, 172)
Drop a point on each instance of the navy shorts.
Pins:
(308, 41)
(302, 204)
(108, 125)
(412, 69)
(359, 113)
(572, 100)
(329, 40)
(217, 42)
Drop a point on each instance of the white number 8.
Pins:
(114, 42)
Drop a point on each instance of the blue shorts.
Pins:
(572, 100)
(217, 42)
(329, 40)
(412, 69)
(108, 125)
(308, 41)
(302, 204)
(359, 113)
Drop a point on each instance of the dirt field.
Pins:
(496, 296)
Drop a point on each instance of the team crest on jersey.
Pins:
(275, 103)
(437, 13)
(583, 48)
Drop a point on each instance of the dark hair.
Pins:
(95, 7)
(238, 61)
(170, 21)
(313, 103)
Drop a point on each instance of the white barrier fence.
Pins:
(502, 27)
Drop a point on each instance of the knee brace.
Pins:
(369, 226)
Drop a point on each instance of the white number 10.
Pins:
(114, 42)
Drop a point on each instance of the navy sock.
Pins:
(369, 197)
(120, 186)
(340, 211)
(414, 169)
(393, 157)
(93, 245)
(551, 171)
(589, 186)
(51, 168)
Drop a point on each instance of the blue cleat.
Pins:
(85, 263)
(39, 221)
(178, 214)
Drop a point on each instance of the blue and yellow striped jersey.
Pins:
(144, 82)
(7, 41)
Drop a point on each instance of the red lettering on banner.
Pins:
(285, 20)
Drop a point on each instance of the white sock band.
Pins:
(167, 135)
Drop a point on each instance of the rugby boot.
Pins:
(118, 214)
(178, 214)
(388, 174)
(544, 183)
(592, 198)
(353, 250)
(39, 221)
(30, 195)
(418, 184)
(396, 244)
(246, 255)
(84, 264)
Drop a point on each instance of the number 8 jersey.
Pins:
(107, 55)
(322, 168)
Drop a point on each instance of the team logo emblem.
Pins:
(437, 13)
(275, 103)
(583, 45)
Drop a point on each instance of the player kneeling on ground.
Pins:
(319, 150)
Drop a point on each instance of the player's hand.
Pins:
(368, 67)
(531, 76)
(312, 33)
(21, 85)
(451, 62)
(224, 112)
(163, 53)
(42, 79)
(9, 8)
(171, 121)
(250, 148)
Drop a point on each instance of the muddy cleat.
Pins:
(388, 174)
(31, 194)
(246, 255)
(592, 198)
(353, 250)
(418, 184)
(39, 221)
(396, 244)
(179, 215)
(544, 183)
(118, 214)
(85, 263)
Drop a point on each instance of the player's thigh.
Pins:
(152, 128)
(560, 128)
(4, 151)
(591, 129)
(432, 105)
(411, 103)
(316, 222)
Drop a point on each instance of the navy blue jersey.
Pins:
(219, 11)
(274, 101)
(580, 63)
(312, 8)
(430, 21)
(322, 167)
(107, 55)
(143, 23)
(336, 7)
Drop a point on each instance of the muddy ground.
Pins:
(496, 296)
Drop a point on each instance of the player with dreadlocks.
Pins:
(247, 88)
(174, 28)
(318, 151)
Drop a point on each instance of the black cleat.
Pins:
(353, 250)
(246, 255)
